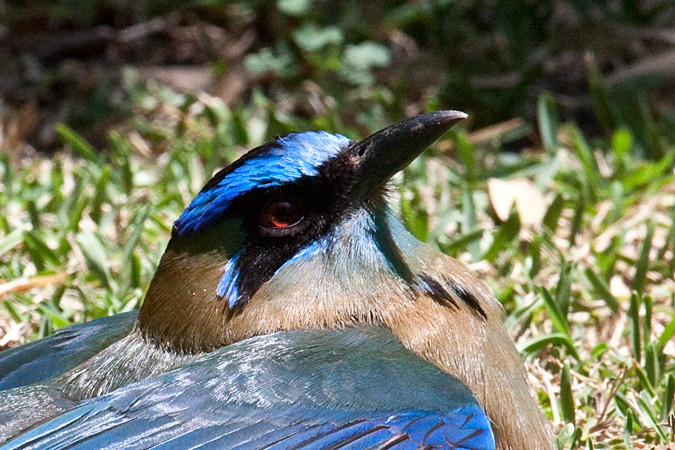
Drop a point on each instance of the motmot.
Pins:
(291, 309)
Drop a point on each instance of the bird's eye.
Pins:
(283, 213)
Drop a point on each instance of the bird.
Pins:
(290, 309)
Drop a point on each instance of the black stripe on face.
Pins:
(323, 203)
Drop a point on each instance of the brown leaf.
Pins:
(530, 203)
(501, 197)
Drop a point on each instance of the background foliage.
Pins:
(558, 191)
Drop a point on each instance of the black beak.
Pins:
(379, 156)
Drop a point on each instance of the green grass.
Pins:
(588, 287)
(583, 262)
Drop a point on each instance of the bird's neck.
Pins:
(480, 353)
(478, 350)
(341, 279)
(181, 310)
(348, 282)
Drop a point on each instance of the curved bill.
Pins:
(379, 156)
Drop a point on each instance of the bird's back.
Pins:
(312, 389)
(68, 347)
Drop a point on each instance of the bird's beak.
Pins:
(379, 156)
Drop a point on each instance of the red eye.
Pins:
(283, 213)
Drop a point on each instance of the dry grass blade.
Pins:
(26, 284)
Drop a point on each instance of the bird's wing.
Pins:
(68, 347)
(355, 388)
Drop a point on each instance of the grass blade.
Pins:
(602, 290)
(547, 118)
(634, 316)
(557, 317)
(642, 264)
(566, 396)
(76, 142)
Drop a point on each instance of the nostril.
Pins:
(361, 150)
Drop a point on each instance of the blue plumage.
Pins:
(291, 310)
(227, 287)
(258, 394)
(290, 158)
(48, 358)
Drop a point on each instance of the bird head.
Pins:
(294, 234)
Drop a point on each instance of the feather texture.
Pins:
(326, 326)
(287, 159)
(68, 347)
(309, 389)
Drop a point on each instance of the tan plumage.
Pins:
(481, 353)
(316, 293)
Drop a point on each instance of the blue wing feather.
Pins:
(68, 347)
(302, 389)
